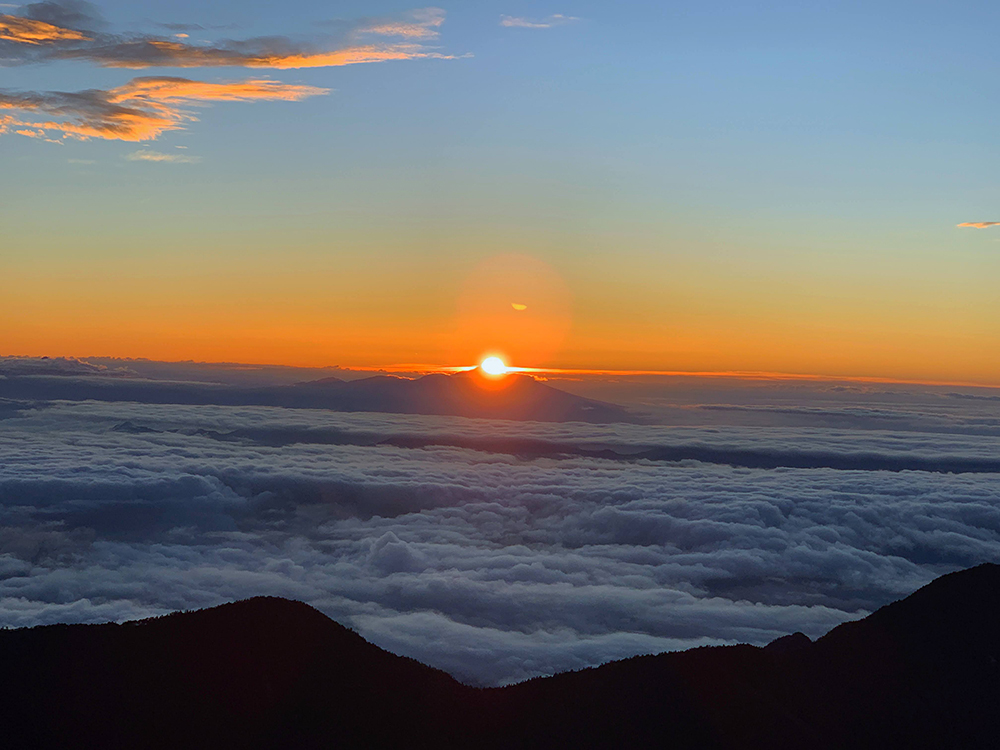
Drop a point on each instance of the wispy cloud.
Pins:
(274, 53)
(68, 30)
(71, 14)
(978, 224)
(557, 19)
(32, 40)
(30, 31)
(140, 110)
(418, 24)
(156, 156)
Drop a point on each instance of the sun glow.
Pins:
(493, 366)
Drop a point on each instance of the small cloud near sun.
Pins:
(518, 306)
(978, 224)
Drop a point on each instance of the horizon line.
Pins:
(424, 368)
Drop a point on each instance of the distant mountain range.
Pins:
(923, 672)
(465, 394)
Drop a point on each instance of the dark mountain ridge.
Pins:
(465, 394)
(923, 672)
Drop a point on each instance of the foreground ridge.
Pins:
(269, 673)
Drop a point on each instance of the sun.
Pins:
(493, 366)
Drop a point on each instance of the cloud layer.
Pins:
(978, 224)
(493, 566)
(146, 107)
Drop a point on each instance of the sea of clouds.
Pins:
(494, 550)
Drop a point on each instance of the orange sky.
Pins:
(384, 312)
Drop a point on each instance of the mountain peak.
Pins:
(271, 672)
(787, 644)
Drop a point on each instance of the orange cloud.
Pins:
(348, 56)
(30, 31)
(151, 53)
(158, 89)
(141, 110)
(978, 224)
(145, 51)
(421, 24)
(144, 108)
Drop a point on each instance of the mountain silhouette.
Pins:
(270, 673)
(466, 394)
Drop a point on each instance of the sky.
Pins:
(704, 186)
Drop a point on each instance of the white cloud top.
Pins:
(491, 566)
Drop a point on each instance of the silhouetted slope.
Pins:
(920, 673)
(925, 669)
(259, 673)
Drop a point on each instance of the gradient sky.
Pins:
(678, 186)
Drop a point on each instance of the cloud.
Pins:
(494, 566)
(273, 52)
(72, 14)
(147, 107)
(30, 31)
(36, 40)
(978, 224)
(557, 19)
(46, 26)
(141, 110)
(156, 156)
(418, 24)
